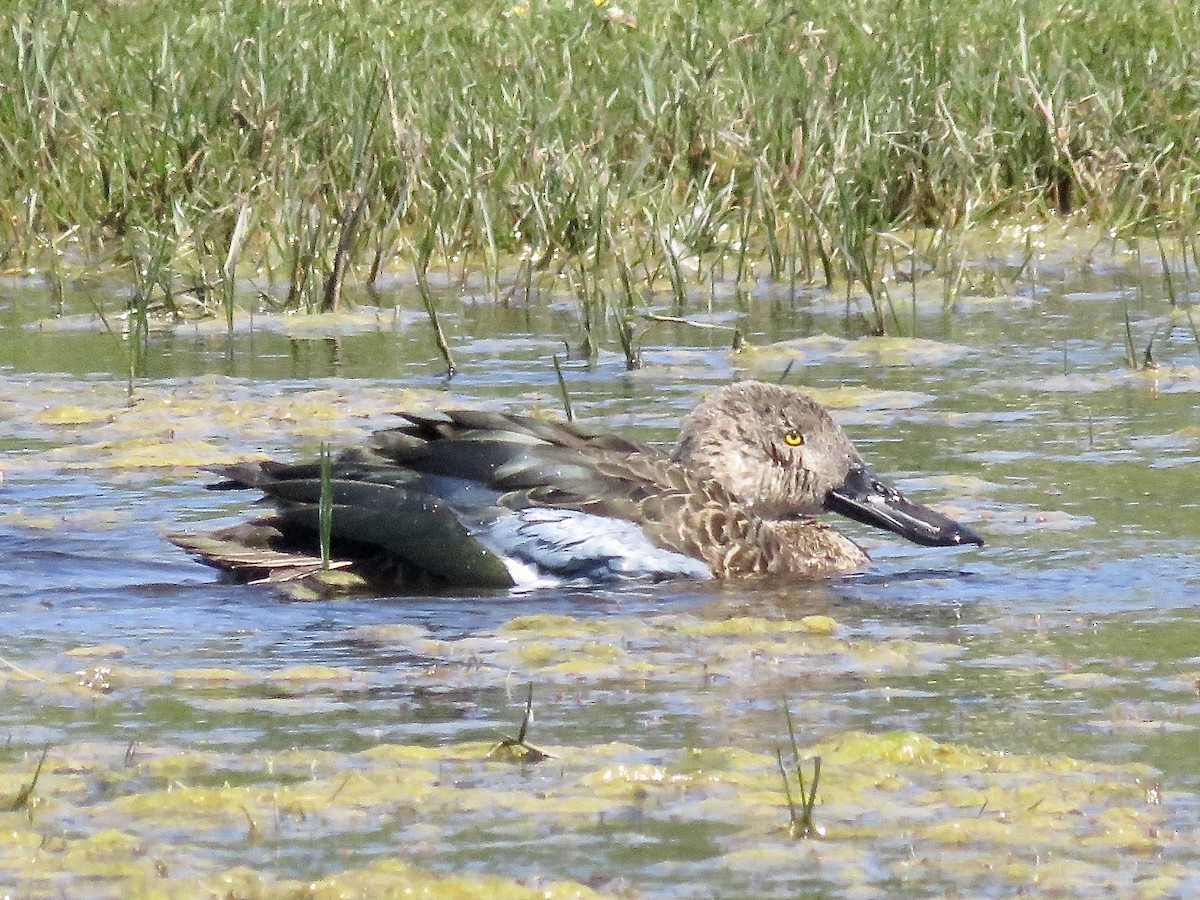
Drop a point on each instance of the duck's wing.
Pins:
(532, 462)
(506, 452)
(389, 518)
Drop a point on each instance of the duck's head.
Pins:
(781, 454)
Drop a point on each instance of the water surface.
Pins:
(1017, 717)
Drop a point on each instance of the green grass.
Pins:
(325, 508)
(309, 144)
(800, 820)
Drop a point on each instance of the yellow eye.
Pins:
(793, 438)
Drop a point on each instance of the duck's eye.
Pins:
(793, 438)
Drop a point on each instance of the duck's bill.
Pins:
(866, 499)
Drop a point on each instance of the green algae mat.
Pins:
(206, 814)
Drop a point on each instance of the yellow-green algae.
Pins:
(359, 320)
(866, 351)
(894, 806)
(968, 817)
(748, 625)
(53, 867)
(667, 647)
(1182, 378)
(204, 421)
(554, 648)
(90, 520)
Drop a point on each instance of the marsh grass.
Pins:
(800, 820)
(325, 508)
(314, 145)
(1130, 351)
(517, 749)
(24, 797)
(1181, 295)
(564, 393)
(421, 267)
(1187, 311)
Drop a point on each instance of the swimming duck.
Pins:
(481, 499)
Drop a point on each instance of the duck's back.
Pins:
(467, 498)
(553, 500)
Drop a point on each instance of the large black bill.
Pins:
(866, 499)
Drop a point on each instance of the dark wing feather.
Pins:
(420, 531)
(548, 463)
(376, 508)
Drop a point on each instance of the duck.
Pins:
(465, 498)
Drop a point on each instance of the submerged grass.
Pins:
(25, 794)
(310, 145)
(517, 749)
(424, 254)
(325, 508)
(800, 822)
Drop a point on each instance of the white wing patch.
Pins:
(543, 546)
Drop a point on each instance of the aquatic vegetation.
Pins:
(325, 508)
(659, 147)
(516, 749)
(871, 351)
(208, 421)
(170, 818)
(21, 800)
(800, 823)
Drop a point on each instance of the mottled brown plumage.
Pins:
(479, 498)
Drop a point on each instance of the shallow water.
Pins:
(1018, 717)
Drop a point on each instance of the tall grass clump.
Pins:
(310, 145)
